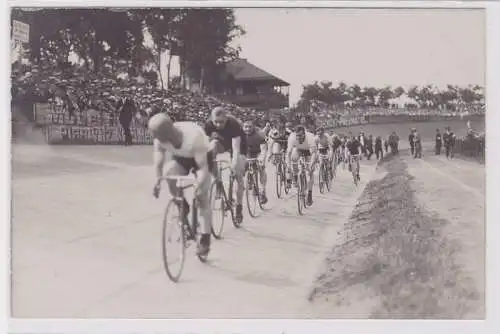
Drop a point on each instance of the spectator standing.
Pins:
(439, 142)
(417, 142)
(410, 140)
(378, 148)
(449, 142)
(126, 108)
(369, 147)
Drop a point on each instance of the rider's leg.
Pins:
(292, 169)
(203, 199)
(313, 160)
(173, 168)
(240, 187)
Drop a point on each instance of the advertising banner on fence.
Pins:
(94, 135)
(42, 113)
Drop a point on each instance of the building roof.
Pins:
(241, 69)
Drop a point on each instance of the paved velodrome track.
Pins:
(86, 240)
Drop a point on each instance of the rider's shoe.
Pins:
(203, 247)
(263, 198)
(239, 212)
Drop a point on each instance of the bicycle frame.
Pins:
(178, 198)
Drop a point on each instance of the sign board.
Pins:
(42, 113)
(94, 135)
(21, 31)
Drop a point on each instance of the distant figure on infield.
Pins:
(449, 142)
(439, 142)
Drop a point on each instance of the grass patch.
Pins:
(395, 252)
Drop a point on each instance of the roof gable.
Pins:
(241, 69)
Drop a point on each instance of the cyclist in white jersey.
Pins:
(302, 143)
(190, 149)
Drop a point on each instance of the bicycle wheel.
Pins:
(321, 177)
(230, 204)
(256, 182)
(218, 206)
(251, 194)
(334, 168)
(327, 176)
(172, 221)
(303, 181)
(286, 185)
(300, 195)
(354, 175)
(278, 180)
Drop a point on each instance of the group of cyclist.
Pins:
(193, 148)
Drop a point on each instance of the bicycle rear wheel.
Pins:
(218, 206)
(172, 220)
(251, 194)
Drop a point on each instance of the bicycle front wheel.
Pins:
(321, 177)
(218, 206)
(172, 222)
(279, 180)
(300, 196)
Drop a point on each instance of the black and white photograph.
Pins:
(182, 162)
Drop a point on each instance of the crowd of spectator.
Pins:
(78, 90)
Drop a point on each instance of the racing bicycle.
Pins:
(252, 192)
(220, 200)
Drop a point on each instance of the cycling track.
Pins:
(86, 240)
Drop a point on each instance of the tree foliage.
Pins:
(202, 38)
(354, 95)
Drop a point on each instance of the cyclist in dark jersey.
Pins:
(228, 133)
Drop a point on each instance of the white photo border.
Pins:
(47, 326)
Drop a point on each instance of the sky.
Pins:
(375, 47)
(369, 47)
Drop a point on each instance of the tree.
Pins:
(204, 40)
(385, 94)
(399, 91)
(93, 34)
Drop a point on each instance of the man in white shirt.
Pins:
(190, 149)
(303, 143)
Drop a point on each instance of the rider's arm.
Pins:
(158, 158)
(237, 133)
(263, 147)
(236, 146)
